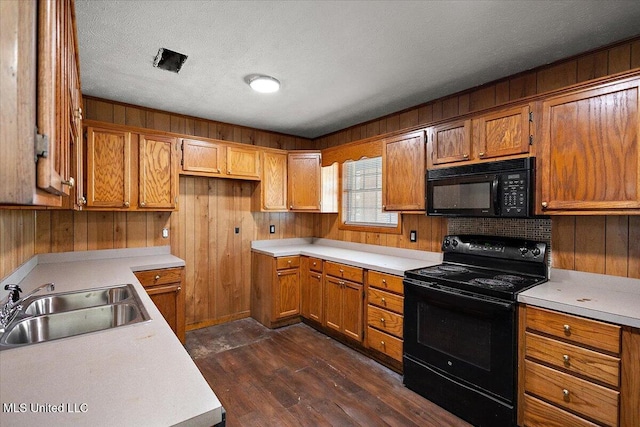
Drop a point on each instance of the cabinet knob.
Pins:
(384, 207)
(565, 393)
(382, 343)
(341, 283)
(157, 277)
(77, 113)
(143, 204)
(228, 172)
(290, 206)
(481, 154)
(544, 205)
(466, 156)
(125, 204)
(384, 281)
(82, 201)
(70, 182)
(382, 320)
(383, 301)
(565, 358)
(567, 329)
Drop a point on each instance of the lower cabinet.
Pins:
(312, 292)
(275, 289)
(385, 308)
(577, 371)
(164, 287)
(344, 296)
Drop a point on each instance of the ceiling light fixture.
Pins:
(263, 84)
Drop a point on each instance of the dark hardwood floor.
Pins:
(296, 376)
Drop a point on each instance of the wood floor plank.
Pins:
(297, 376)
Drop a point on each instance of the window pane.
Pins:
(362, 194)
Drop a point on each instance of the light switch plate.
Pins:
(272, 229)
(413, 235)
(165, 233)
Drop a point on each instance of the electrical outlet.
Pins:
(272, 229)
(413, 235)
(237, 230)
(165, 233)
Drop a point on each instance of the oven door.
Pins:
(475, 195)
(465, 336)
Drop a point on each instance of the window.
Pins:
(362, 196)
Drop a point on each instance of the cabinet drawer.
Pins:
(385, 281)
(285, 262)
(578, 360)
(591, 333)
(385, 320)
(315, 264)
(159, 277)
(342, 271)
(539, 413)
(575, 394)
(386, 300)
(384, 343)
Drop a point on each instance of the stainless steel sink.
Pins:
(52, 317)
(67, 301)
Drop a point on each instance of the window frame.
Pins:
(342, 225)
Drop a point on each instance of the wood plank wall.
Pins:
(602, 244)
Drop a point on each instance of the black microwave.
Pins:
(492, 189)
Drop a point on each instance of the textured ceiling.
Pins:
(340, 62)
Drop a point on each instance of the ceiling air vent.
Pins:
(169, 60)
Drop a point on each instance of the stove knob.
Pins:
(447, 242)
(454, 242)
(535, 251)
(524, 250)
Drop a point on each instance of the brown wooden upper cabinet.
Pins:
(502, 133)
(403, 172)
(590, 153)
(451, 142)
(202, 157)
(41, 92)
(243, 163)
(271, 194)
(129, 171)
(304, 181)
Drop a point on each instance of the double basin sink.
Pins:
(51, 317)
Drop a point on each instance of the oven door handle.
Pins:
(494, 194)
(437, 291)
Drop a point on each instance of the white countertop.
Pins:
(372, 257)
(598, 296)
(138, 374)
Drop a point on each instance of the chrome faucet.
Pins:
(13, 302)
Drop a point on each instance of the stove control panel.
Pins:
(495, 247)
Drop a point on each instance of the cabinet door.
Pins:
(333, 303)
(403, 168)
(590, 157)
(304, 181)
(108, 168)
(502, 133)
(451, 142)
(315, 293)
(158, 172)
(353, 306)
(167, 300)
(274, 181)
(202, 157)
(243, 163)
(287, 293)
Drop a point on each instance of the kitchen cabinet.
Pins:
(202, 157)
(130, 171)
(243, 163)
(501, 133)
(275, 289)
(271, 193)
(311, 303)
(590, 152)
(451, 142)
(385, 319)
(304, 186)
(164, 287)
(403, 168)
(41, 91)
(343, 299)
(577, 371)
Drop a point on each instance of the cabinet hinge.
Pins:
(41, 145)
(531, 116)
(530, 139)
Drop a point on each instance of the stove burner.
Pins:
(509, 278)
(453, 268)
(491, 283)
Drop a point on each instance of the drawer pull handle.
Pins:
(567, 329)
(565, 357)
(157, 277)
(382, 320)
(289, 262)
(384, 281)
(382, 343)
(565, 393)
(383, 301)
